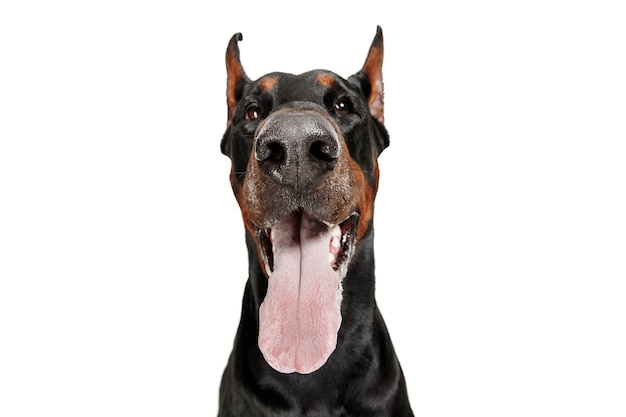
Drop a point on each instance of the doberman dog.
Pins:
(311, 340)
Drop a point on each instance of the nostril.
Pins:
(277, 152)
(324, 150)
(271, 151)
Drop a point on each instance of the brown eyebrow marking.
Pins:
(267, 83)
(326, 80)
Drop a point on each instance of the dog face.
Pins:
(304, 171)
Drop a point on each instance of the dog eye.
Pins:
(253, 112)
(343, 106)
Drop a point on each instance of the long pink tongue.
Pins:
(301, 315)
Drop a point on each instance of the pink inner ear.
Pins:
(376, 102)
(373, 68)
(234, 73)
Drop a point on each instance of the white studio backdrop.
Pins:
(500, 226)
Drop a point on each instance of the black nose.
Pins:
(297, 148)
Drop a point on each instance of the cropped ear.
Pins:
(236, 76)
(370, 77)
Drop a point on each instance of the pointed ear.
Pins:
(370, 77)
(236, 76)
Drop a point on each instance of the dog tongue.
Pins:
(300, 316)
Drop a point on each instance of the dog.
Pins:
(311, 340)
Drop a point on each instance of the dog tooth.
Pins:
(334, 242)
(336, 231)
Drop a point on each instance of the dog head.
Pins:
(304, 171)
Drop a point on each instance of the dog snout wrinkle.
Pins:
(297, 149)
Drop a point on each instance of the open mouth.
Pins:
(305, 260)
(341, 241)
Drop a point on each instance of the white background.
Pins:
(500, 222)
